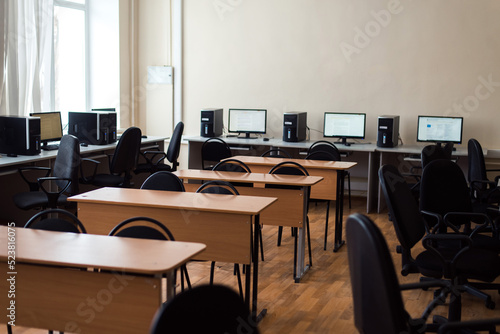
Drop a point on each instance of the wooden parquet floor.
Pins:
(321, 303)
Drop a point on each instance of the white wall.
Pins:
(287, 55)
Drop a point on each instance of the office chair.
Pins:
(147, 228)
(64, 178)
(163, 180)
(292, 168)
(377, 301)
(214, 150)
(121, 164)
(155, 160)
(223, 188)
(276, 153)
(483, 191)
(450, 256)
(204, 309)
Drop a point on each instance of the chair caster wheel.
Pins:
(490, 305)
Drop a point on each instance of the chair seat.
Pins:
(107, 180)
(35, 199)
(474, 264)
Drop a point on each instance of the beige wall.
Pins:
(287, 55)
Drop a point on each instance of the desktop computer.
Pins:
(388, 131)
(294, 126)
(19, 135)
(211, 123)
(94, 128)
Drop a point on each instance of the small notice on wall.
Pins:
(160, 75)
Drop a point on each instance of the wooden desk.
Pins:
(289, 210)
(222, 222)
(331, 188)
(123, 299)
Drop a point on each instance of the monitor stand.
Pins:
(51, 147)
(345, 142)
(247, 136)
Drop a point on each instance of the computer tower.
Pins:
(211, 123)
(20, 135)
(388, 131)
(294, 126)
(94, 128)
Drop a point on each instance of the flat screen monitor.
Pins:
(440, 129)
(247, 121)
(344, 125)
(50, 128)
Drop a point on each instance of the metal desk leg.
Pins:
(339, 210)
(171, 276)
(300, 241)
(256, 238)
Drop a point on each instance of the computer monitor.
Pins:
(344, 125)
(247, 121)
(440, 129)
(50, 128)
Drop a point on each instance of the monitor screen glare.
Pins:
(247, 120)
(440, 129)
(344, 125)
(50, 125)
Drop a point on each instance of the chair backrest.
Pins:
(477, 166)
(232, 165)
(56, 220)
(214, 150)
(174, 147)
(127, 151)
(443, 188)
(276, 153)
(142, 228)
(320, 155)
(204, 309)
(67, 162)
(403, 208)
(163, 180)
(325, 146)
(378, 306)
(217, 187)
(435, 152)
(289, 168)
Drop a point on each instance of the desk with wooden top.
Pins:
(289, 210)
(222, 222)
(331, 188)
(123, 298)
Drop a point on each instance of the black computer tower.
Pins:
(211, 123)
(294, 126)
(95, 128)
(20, 135)
(388, 131)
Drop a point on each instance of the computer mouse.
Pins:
(265, 139)
(84, 144)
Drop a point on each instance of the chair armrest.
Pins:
(153, 154)
(431, 243)
(471, 216)
(476, 325)
(53, 196)
(33, 184)
(436, 216)
(96, 164)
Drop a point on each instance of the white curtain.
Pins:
(28, 56)
(3, 52)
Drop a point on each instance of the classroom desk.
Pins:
(121, 299)
(222, 222)
(289, 210)
(331, 188)
(359, 152)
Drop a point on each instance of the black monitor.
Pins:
(50, 128)
(344, 125)
(247, 121)
(440, 129)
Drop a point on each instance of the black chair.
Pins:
(449, 256)
(214, 150)
(377, 301)
(223, 188)
(204, 309)
(483, 191)
(292, 168)
(121, 163)
(147, 228)
(64, 179)
(276, 153)
(155, 160)
(163, 180)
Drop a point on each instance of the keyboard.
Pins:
(51, 147)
